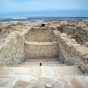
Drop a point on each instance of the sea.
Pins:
(44, 18)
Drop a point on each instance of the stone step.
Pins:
(51, 62)
(36, 62)
(27, 64)
(44, 62)
(41, 60)
(47, 62)
(55, 71)
(23, 81)
(46, 70)
(40, 75)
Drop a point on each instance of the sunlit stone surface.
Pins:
(44, 54)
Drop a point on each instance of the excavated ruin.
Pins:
(41, 43)
(44, 56)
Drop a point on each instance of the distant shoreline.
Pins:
(43, 18)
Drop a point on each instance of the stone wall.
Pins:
(71, 52)
(40, 34)
(41, 50)
(12, 49)
(78, 33)
(4, 33)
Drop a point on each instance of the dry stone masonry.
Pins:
(44, 54)
(11, 46)
(67, 41)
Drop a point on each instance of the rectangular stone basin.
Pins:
(41, 42)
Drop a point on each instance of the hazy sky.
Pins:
(10, 7)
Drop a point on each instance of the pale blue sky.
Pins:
(36, 7)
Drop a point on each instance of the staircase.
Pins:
(46, 72)
(30, 74)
